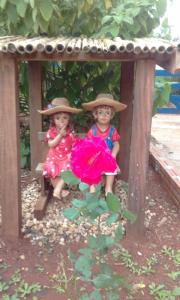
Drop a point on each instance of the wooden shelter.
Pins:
(138, 59)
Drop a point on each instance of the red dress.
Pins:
(58, 158)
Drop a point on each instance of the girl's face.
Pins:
(103, 114)
(61, 120)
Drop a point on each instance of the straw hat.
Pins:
(104, 99)
(59, 105)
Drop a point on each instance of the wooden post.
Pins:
(9, 150)
(126, 97)
(35, 103)
(140, 140)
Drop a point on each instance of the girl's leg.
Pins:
(58, 184)
(109, 184)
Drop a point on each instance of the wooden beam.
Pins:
(9, 150)
(126, 97)
(35, 103)
(140, 141)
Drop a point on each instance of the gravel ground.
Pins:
(54, 228)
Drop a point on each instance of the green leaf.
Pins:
(83, 186)
(3, 3)
(105, 269)
(31, 3)
(118, 233)
(79, 203)
(112, 218)
(112, 295)
(46, 9)
(161, 7)
(21, 8)
(113, 203)
(95, 295)
(84, 297)
(86, 252)
(102, 281)
(129, 216)
(92, 241)
(83, 265)
(176, 291)
(106, 19)
(71, 213)
(69, 178)
(11, 13)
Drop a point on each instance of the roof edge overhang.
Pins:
(165, 54)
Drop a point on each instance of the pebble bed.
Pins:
(54, 227)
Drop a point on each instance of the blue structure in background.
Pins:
(175, 99)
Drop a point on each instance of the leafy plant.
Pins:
(26, 289)
(16, 277)
(60, 279)
(174, 275)
(160, 293)
(126, 258)
(12, 297)
(92, 208)
(162, 92)
(172, 254)
(3, 286)
(90, 18)
(4, 266)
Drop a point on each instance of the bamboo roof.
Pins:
(165, 53)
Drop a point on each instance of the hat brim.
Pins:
(61, 108)
(118, 106)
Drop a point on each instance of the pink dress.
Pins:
(58, 158)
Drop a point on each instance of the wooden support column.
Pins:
(35, 103)
(126, 97)
(140, 140)
(9, 150)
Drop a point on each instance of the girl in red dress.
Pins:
(60, 139)
(103, 110)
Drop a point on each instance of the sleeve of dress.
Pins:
(115, 136)
(89, 134)
(50, 134)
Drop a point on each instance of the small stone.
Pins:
(163, 220)
(22, 257)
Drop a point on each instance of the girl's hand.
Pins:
(62, 131)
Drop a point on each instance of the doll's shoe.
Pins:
(56, 195)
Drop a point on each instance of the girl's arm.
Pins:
(115, 149)
(53, 142)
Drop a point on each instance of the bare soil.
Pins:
(39, 264)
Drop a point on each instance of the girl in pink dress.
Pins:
(103, 109)
(60, 139)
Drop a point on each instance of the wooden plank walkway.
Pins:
(165, 151)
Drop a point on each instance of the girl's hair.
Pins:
(70, 125)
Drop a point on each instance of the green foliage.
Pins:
(126, 19)
(172, 254)
(160, 293)
(161, 95)
(94, 256)
(25, 147)
(126, 258)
